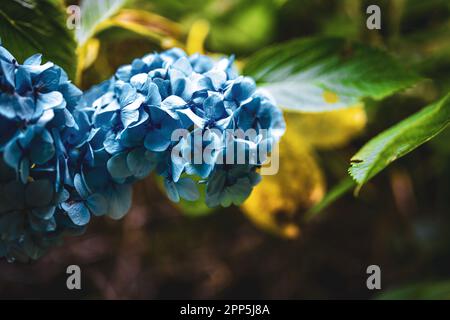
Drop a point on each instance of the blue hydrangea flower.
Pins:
(141, 107)
(65, 157)
(46, 145)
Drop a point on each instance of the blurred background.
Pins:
(273, 247)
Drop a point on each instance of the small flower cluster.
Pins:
(65, 156)
(51, 162)
(141, 107)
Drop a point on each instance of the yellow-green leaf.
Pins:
(399, 140)
(330, 129)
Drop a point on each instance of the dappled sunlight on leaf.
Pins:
(87, 54)
(326, 74)
(331, 129)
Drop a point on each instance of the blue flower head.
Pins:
(46, 146)
(66, 156)
(141, 108)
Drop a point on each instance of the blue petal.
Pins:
(12, 106)
(42, 148)
(215, 187)
(139, 81)
(198, 121)
(44, 213)
(7, 106)
(5, 55)
(141, 162)
(69, 119)
(123, 73)
(214, 107)
(117, 166)
(247, 114)
(181, 86)
(71, 93)
(12, 154)
(48, 80)
(80, 186)
(39, 193)
(35, 69)
(171, 190)
(50, 100)
(35, 59)
(97, 204)
(119, 201)
(183, 65)
(156, 140)
(128, 117)
(42, 225)
(24, 170)
(153, 96)
(242, 89)
(128, 95)
(237, 193)
(23, 81)
(217, 78)
(77, 212)
(112, 144)
(8, 70)
(187, 189)
(173, 102)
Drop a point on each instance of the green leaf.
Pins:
(323, 74)
(399, 140)
(419, 291)
(93, 13)
(29, 27)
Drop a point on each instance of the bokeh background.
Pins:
(273, 247)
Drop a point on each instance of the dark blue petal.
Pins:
(117, 166)
(39, 193)
(187, 189)
(45, 212)
(77, 212)
(12, 154)
(48, 80)
(42, 148)
(119, 200)
(8, 71)
(23, 81)
(97, 204)
(141, 162)
(156, 140)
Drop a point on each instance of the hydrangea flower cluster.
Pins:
(144, 103)
(48, 158)
(66, 156)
